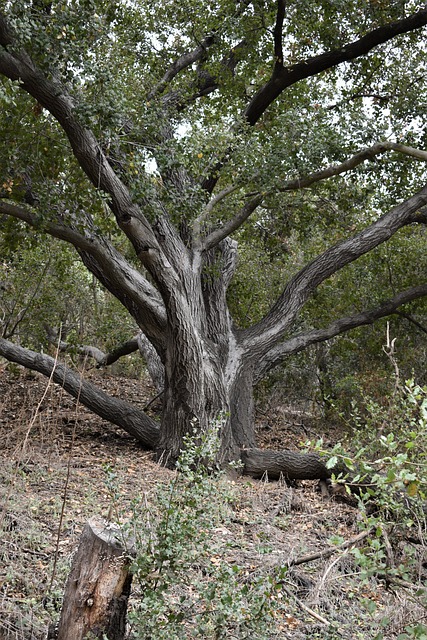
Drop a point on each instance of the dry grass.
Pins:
(52, 472)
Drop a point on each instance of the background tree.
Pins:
(154, 140)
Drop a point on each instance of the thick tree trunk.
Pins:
(196, 400)
(206, 383)
(242, 409)
(221, 404)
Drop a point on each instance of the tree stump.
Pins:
(98, 586)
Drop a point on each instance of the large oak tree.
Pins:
(152, 137)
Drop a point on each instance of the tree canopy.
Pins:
(160, 139)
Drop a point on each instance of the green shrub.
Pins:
(387, 471)
(186, 586)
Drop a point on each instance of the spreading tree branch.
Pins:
(214, 238)
(204, 216)
(301, 341)
(292, 185)
(369, 153)
(283, 77)
(124, 349)
(206, 83)
(134, 291)
(351, 163)
(265, 334)
(16, 65)
(183, 62)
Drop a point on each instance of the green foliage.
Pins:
(164, 137)
(387, 471)
(390, 452)
(31, 276)
(112, 56)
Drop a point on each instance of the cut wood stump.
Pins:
(98, 586)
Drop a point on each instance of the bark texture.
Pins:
(98, 586)
(117, 411)
(289, 464)
(178, 294)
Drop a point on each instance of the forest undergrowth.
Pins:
(217, 557)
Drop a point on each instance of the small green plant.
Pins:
(387, 472)
(187, 588)
(390, 459)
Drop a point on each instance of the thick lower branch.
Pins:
(117, 411)
(257, 462)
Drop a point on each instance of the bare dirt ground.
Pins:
(54, 460)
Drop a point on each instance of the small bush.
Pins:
(387, 471)
(186, 587)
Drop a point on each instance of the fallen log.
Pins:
(291, 465)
